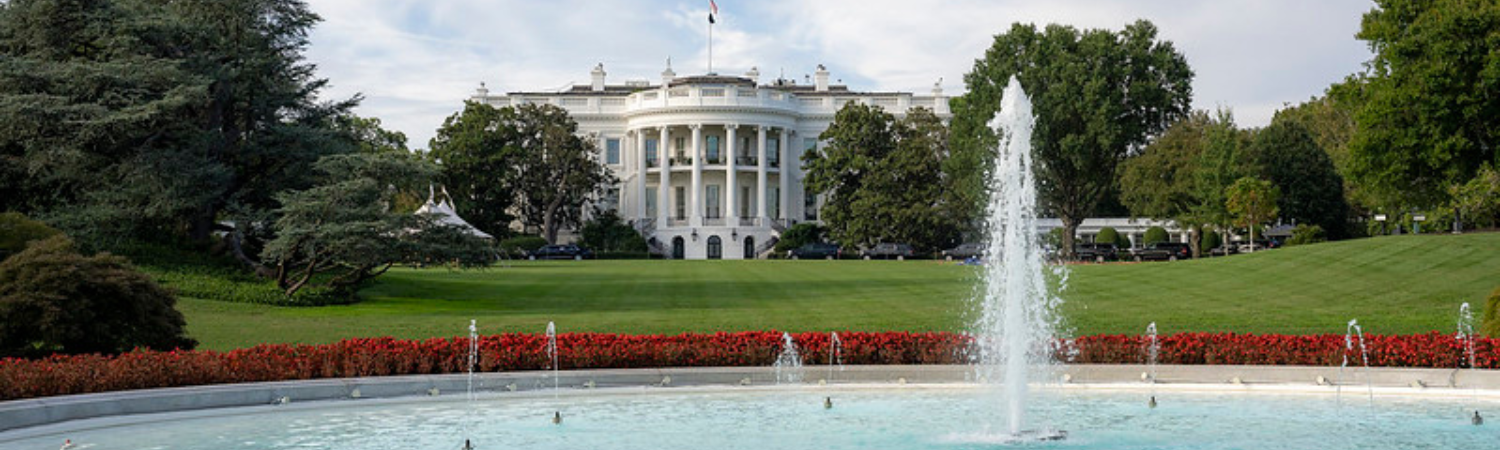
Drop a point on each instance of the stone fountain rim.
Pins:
(20, 419)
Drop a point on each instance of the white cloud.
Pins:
(416, 61)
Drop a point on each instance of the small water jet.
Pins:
(1152, 350)
(552, 354)
(835, 354)
(1350, 333)
(788, 363)
(1466, 338)
(1014, 330)
(473, 362)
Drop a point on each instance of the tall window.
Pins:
(746, 199)
(650, 202)
(681, 203)
(809, 206)
(773, 151)
(773, 202)
(713, 150)
(745, 148)
(612, 152)
(681, 149)
(713, 201)
(651, 152)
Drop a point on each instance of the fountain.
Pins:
(1014, 331)
(1349, 340)
(1152, 348)
(552, 354)
(835, 354)
(473, 362)
(788, 363)
(1465, 338)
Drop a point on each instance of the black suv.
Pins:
(815, 251)
(1163, 251)
(569, 251)
(1095, 252)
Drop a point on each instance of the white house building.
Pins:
(709, 166)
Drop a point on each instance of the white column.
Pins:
(638, 140)
(730, 177)
(786, 174)
(695, 198)
(663, 192)
(760, 174)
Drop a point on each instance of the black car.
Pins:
(569, 251)
(1095, 252)
(815, 251)
(1163, 251)
(964, 251)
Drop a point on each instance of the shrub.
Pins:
(606, 233)
(799, 235)
(1108, 234)
(522, 244)
(1306, 234)
(16, 230)
(1489, 324)
(55, 300)
(1155, 235)
(1210, 239)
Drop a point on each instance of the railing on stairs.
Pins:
(764, 250)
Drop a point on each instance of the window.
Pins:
(745, 148)
(773, 201)
(713, 201)
(713, 150)
(612, 152)
(715, 248)
(651, 153)
(773, 151)
(650, 202)
(681, 148)
(746, 200)
(681, 203)
(809, 144)
(809, 206)
(611, 200)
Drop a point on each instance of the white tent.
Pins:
(445, 213)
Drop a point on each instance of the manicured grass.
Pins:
(1393, 285)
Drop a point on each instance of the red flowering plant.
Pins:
(145, 369)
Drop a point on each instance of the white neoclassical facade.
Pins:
(709, 166)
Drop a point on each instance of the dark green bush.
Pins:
(608, 233)
(1210, 240)
(1306, 234)
(1107, 235)
(799, 235)
(522, 244)
(16, 230)
(1155, 235)
(1489, 324)
(56, 300)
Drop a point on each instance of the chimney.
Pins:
(822, 78)
(482, 92)
(598, 74)
(753, 75)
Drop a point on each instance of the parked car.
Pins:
(1163, 251)
(1095, 252)
(1259, 244)
(1224, 250)
(887, 251)
(568, 251)
(815, 251)
(964, 251)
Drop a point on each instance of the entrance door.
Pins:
(677, 249)
(715, 248)
(749, 247)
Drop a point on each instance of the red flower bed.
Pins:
(143, 369)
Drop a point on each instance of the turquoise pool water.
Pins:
(899, 418)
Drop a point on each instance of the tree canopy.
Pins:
(1098, 95)
(884, 179)
(1287, 155)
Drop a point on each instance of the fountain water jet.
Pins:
(1014, 331)
(835, 354)
(1349, 340)
(1465, 338)
(788, 363)
(1152, 349)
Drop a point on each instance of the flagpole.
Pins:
(710, 46)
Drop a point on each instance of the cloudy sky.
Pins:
(415, 61)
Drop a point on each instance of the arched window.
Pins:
(715, 248)
(749, 247)
(677, 250)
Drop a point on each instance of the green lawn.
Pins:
(1403, 284)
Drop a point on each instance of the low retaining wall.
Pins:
(18, 414)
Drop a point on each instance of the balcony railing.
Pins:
(746, 161)
(713, 221)
(682, 161)
(748, 221)
(713, 160)
(678, 221)
(651, 163)
(774, 163)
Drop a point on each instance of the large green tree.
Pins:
(558, 171)
(883, 178)
(1098, 95)
(477, 150)
(1287, 155)
(1162, 182)
(152, 118)
(1430, 120)
(1251, 203)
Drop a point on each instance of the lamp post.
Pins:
(1416, 223)
(1381, 218)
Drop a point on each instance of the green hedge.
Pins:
(522, 244)
(1210, 240)
(1155, 235)
(1108, 234)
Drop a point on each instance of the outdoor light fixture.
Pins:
(734, 234)
(695, 235)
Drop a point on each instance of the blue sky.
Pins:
(416, 61)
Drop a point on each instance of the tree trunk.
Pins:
(1195, 241)
(1070, 228)
(549, 222)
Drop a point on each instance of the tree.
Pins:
(55, 300)
(477, 151)
(1098, 95)
(883, 178)
(1479, 199)
(605, 232)
(1155, 235)
(557, 170)
(1162, 181)
(801, 234)
(1330, 119)
(16, 231)
(1251, 202)
(341, 233)
(1429, 122)
(1285, 154)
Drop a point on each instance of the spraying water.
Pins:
(1465, 338)
(835, 354)
(552, 354)
(1152, 349)
(788, 364)
(1350, 333)
(1015, 324)
(473, 362)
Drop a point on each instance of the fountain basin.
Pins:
(708, 407)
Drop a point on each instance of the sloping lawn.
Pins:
(1393, 285)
